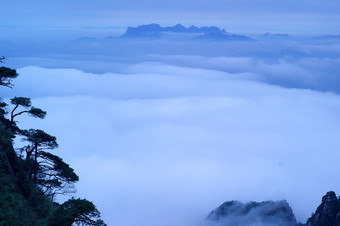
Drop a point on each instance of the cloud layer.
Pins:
(165, 144)
(161, 132)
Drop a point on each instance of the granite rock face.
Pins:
(327, 213)
(269, 213)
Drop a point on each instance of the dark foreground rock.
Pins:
(269, 213)
(327, 213)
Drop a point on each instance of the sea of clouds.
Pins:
(161, 133)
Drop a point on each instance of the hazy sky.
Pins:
(313, 16)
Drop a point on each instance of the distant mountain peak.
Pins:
(176, 28)
(179, 26)
(152, 31)
(193, 27)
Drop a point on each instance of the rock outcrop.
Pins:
(327, 213)
(267, 213)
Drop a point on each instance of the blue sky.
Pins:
(255, 16)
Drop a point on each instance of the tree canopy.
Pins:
(78, 211)
(6, 76)
(27, 105)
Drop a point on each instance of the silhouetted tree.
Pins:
(49, 171)
(27, 105)
(54, 175)
(78, 211)
(6, 76)
(29, 183)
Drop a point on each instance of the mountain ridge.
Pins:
(155, 31)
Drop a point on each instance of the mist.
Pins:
(163, 131)
(171, 137)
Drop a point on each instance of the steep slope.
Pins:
(327, 213)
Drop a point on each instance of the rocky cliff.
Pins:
(267, 213)
(327, 213)
(270, 213)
